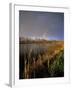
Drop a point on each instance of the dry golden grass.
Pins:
(38, 61)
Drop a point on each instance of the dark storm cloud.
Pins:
(37, 24)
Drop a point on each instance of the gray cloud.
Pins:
(37, 24)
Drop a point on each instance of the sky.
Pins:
(35, 24)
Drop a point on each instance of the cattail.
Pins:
(34, 66)
(48, 63)
(25, 70)
(48, 60)
(43, 57)
(29, 57)
(29, 53)
(40, 62)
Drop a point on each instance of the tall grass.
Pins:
(41, 61)
(56, 68)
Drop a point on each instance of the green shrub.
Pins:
(56, 69)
